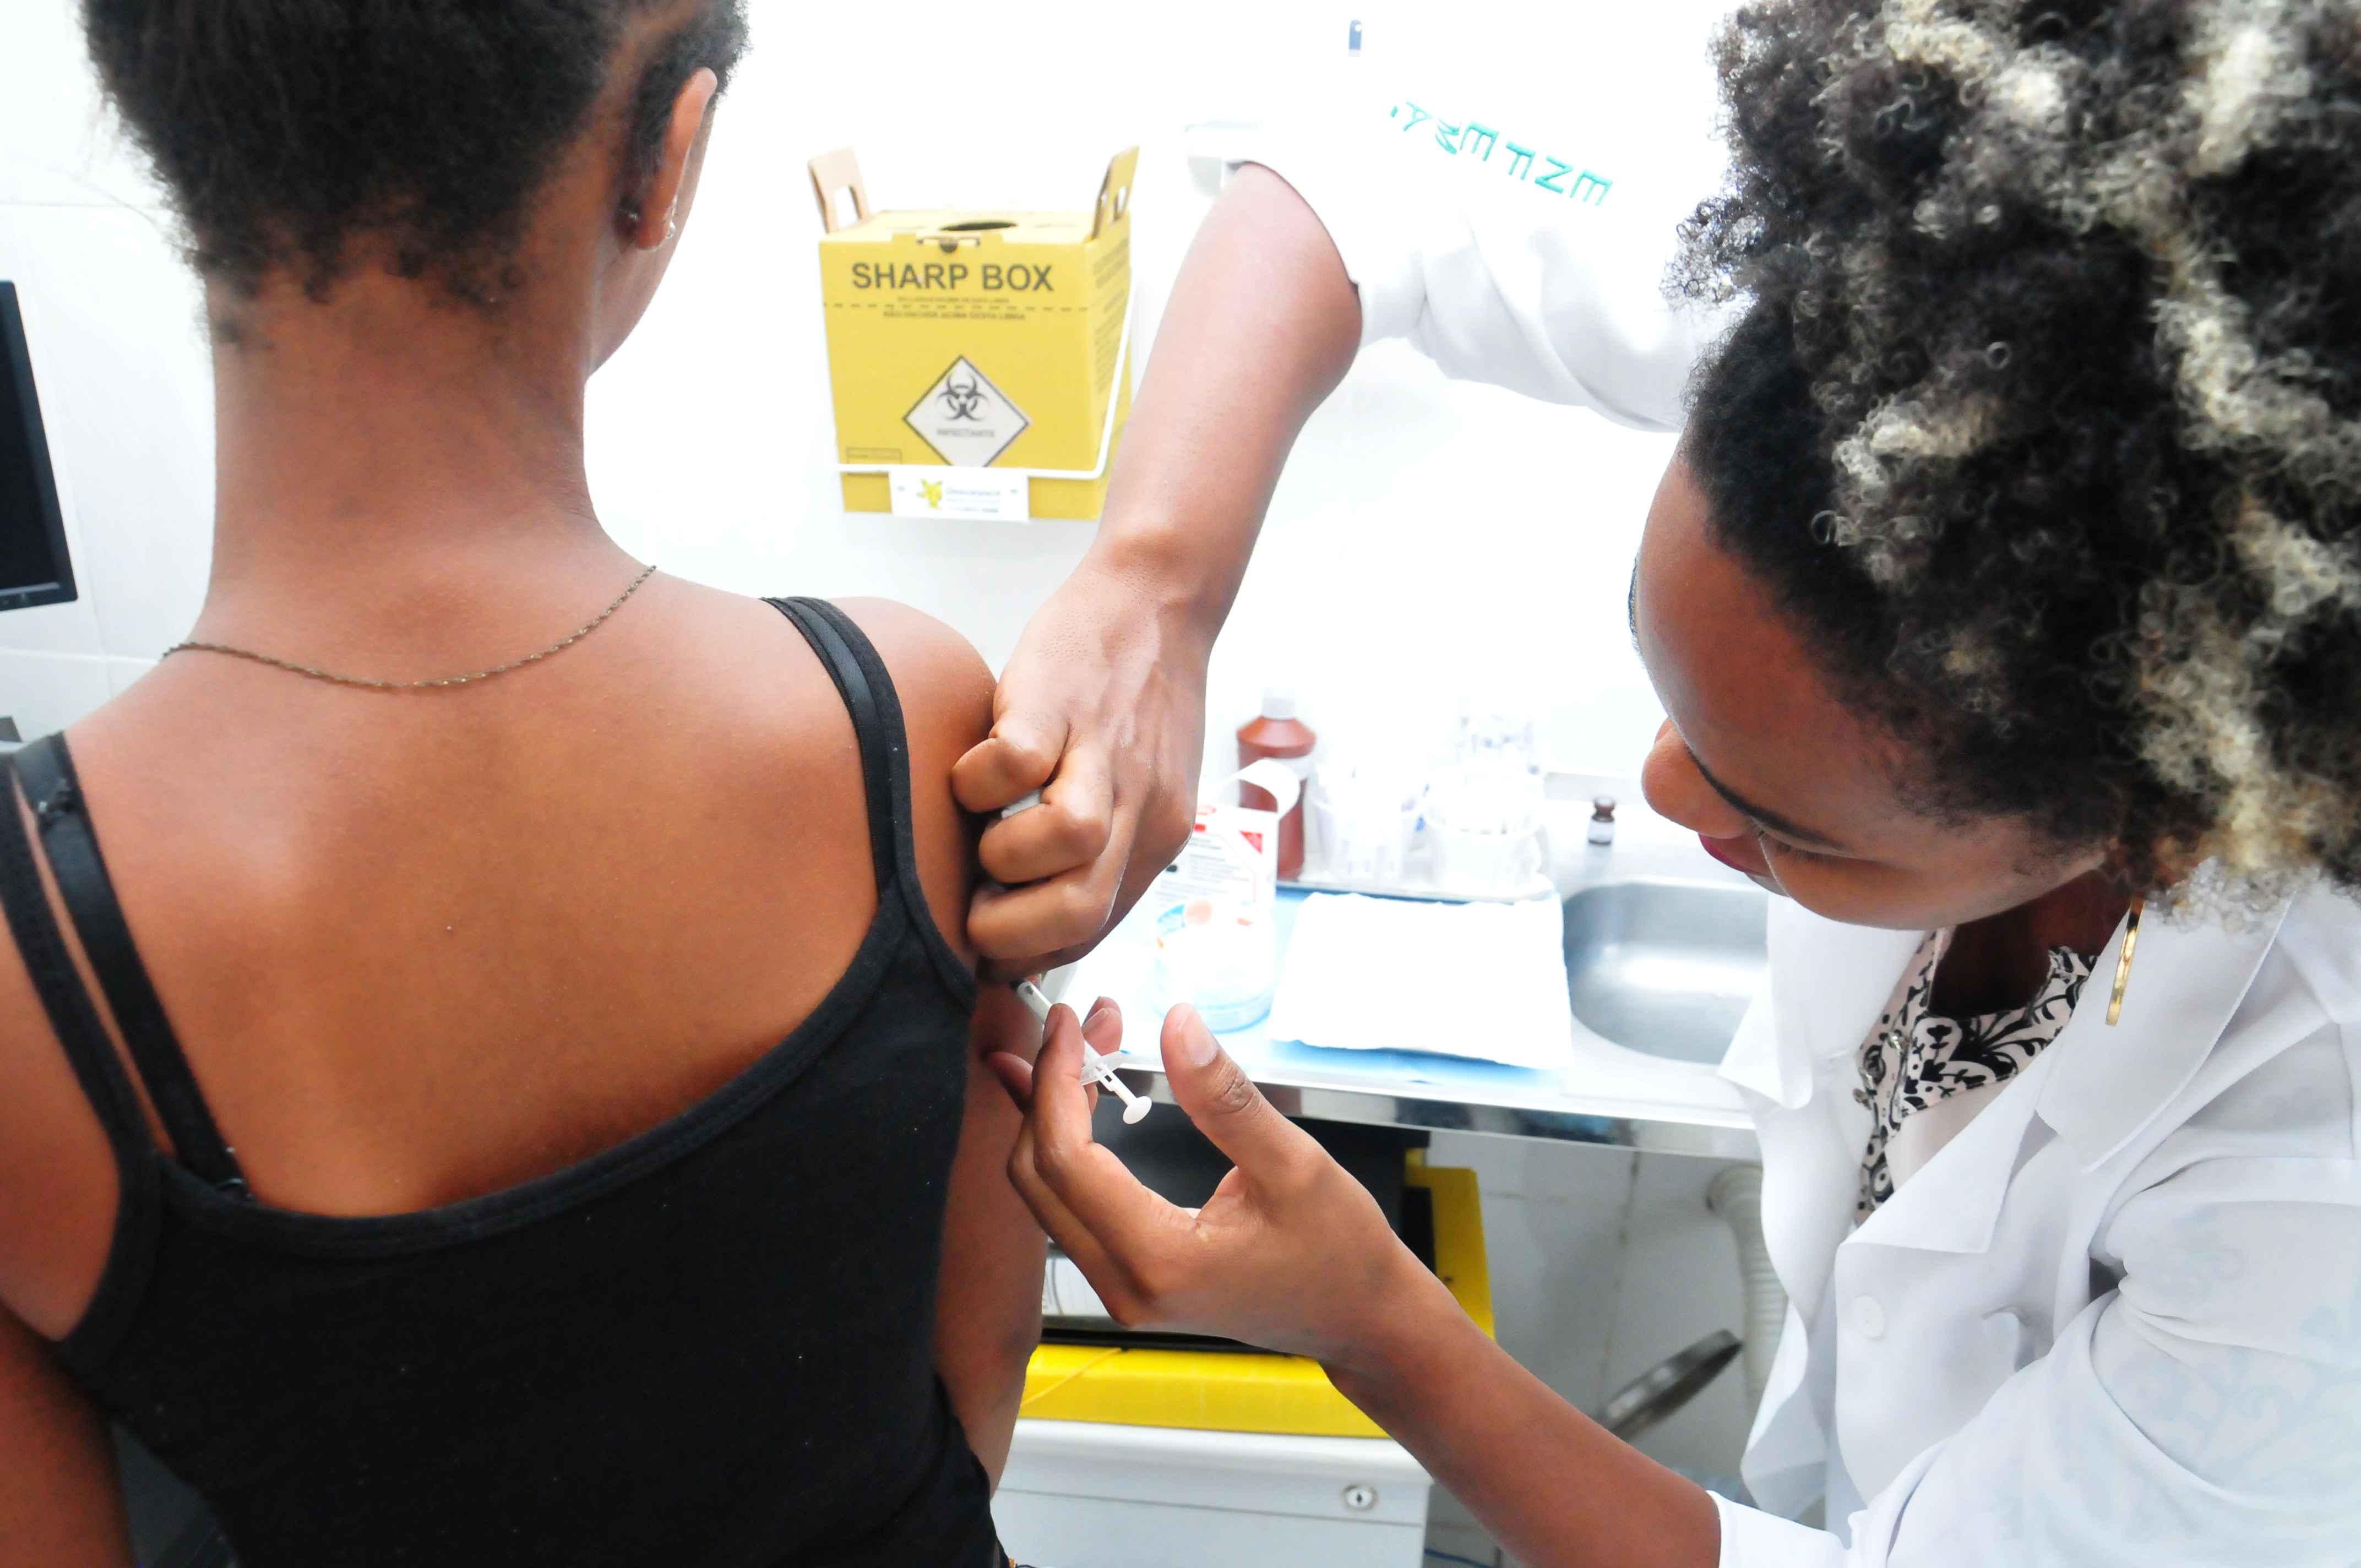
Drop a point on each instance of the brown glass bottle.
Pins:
(1277, 734)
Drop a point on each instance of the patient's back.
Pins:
(544, 957)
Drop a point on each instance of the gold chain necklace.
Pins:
(585, 629)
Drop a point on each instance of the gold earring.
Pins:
(2123, 964)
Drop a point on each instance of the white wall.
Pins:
(124, 385)
(1603, 1264)
(1430, 538)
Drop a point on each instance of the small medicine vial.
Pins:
(1602, 820)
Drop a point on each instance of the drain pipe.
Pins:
(1736, 1196)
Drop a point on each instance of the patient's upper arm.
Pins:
(946, 690)
(59, 1503)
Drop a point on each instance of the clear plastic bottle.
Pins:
(1277, 732)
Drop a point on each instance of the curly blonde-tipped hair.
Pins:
(2044, 413)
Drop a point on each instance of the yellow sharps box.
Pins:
(979, 361)
(1215, 1390)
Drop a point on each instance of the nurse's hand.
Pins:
(1103, 708)
(1105, 701)
(1290, 1252)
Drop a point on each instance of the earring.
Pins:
(672, 229)
(2123, 964)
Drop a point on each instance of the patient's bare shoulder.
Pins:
(946, 690)
(57, 1167)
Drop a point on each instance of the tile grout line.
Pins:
(1622, 1269)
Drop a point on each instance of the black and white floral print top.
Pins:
(1915, 1058)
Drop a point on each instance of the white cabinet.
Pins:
(1080, 1495)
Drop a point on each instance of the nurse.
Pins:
(2005, 598)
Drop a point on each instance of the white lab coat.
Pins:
(2117, 1320)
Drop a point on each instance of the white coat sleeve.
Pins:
(2206, 1412)
(1503, 269)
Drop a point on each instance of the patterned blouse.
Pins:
(1916, 1057)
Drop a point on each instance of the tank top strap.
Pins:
(71, 843)
(41, 944)
(862, 681)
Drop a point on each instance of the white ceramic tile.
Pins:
(1553, 1218)
(45, 692)
(1552, 1244)
(1449, 1529)
(122, 673)
(1602, 1264)
(64, 146)
(1498, 1163)
(70, 628)
(1680, 1283)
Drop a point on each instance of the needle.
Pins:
(1095, 1068)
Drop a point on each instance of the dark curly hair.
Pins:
(286, 130)
(2043, 413)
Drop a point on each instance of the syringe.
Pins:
(1095, 1068)
(1094, 1065)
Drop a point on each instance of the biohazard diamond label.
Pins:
(967, 420)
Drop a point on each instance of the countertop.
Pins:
(1605, 1093)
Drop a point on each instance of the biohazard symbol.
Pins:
(932, 489)
(963, 401)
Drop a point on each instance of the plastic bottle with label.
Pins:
(1277, 734)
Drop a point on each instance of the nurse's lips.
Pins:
(1732, 852)
(1736, 853)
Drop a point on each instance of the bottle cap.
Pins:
(1279, 702)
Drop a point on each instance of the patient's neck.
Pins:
(392, 442)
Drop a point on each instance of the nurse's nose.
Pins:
(1677, 791)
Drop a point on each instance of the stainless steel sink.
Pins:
(1665, 968)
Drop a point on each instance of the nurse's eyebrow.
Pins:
(1770, 819)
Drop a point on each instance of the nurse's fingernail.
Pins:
(1198, 1046)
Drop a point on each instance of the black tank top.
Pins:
(708, 1347)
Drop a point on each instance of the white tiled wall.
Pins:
(121, 673)
(48, 691)
(1603, 1263)
(1680, 1283)
(112, 321)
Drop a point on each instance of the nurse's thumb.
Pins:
(1226, 1105)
